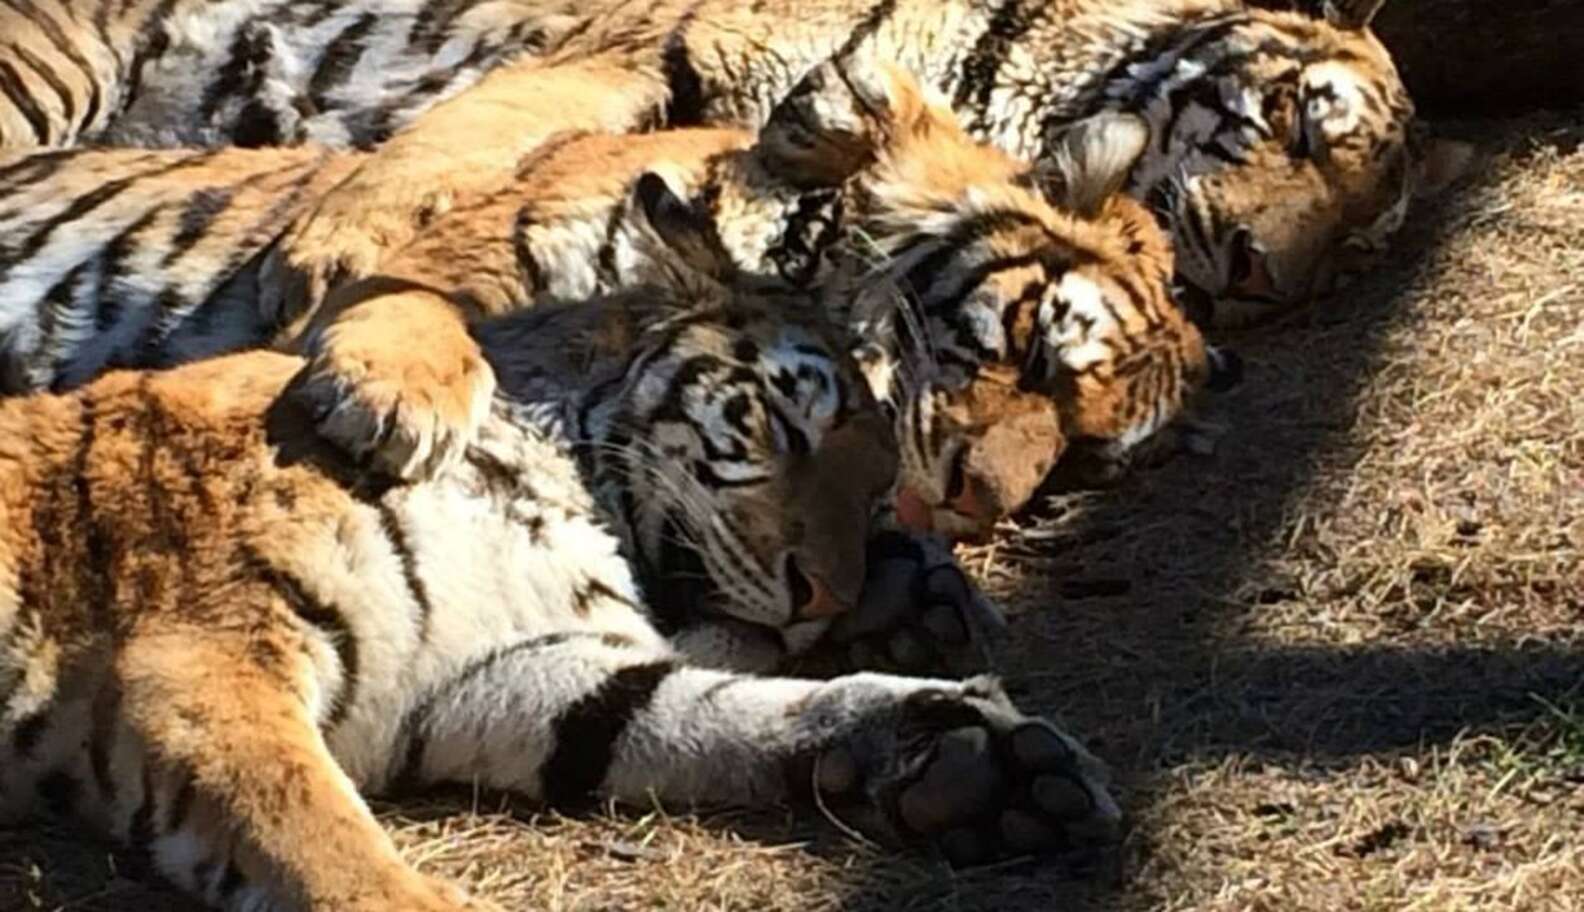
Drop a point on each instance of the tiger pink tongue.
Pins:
(913, 513)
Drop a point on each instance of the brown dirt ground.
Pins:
(1338, 665)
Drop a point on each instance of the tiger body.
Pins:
(172, 263)
(1277, 148)
(216, 633)
(1280, 154)
(122, 258)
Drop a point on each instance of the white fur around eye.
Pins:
(1333, 100)
(1079, 336)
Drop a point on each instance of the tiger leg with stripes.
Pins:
(243, 804)
(578, 720)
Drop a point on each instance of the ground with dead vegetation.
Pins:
(1338, 665)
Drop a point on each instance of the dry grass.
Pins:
(1337, 666)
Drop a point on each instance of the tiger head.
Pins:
(732, 434)
(1003, 312)
(1285, 154)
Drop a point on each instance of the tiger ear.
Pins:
(1090, 161)
(685, 230)
(1351, 15)
(831, 124)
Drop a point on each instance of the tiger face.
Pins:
(1015, 311)
(1287, 160)
(749, 451)
(1041, 335)
(997, 311)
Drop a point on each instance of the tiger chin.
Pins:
(217, 634)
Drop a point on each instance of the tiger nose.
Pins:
(1248, 268)
(812, 597)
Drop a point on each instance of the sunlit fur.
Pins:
(215, 632)
(881, 182)
(1280, 156)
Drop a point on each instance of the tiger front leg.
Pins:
(950, 765)
(241, 802)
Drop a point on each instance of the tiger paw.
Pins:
(918, 613)
(398, 383)
(968, 774)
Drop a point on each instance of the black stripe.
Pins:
(1178, 43)
(587, 731)
(113, 258)
(339, 60)
(605, 260)
(811, 228)
(152, 41)
(949, 247)
(87, 203)
(1012, 313)
(202, 208)
(264, 230)
(977, 78)
(948, 303)
(42, 70)
(322, 617)
(432, 25)
(230, 882)
(868, 25)
(99, 588)
(35, 167)
(241, 74)
(13, 88)
(585, 595)
(684, 88)
(57, 302)
(391, 524)
(68, 49)
(414, 734)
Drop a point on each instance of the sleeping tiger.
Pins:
(1013, 328)
(1282, 151)
(215, 632)
(1280, 148)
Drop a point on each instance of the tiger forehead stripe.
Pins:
(803, 373)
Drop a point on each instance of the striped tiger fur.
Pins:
(216, 633)
(1282, 157)
(142, 258)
